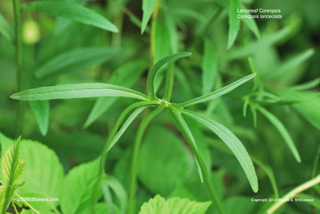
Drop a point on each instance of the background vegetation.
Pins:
(276, 116)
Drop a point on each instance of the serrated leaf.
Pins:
(70, 91)
(234, 22)
(159, 205)
(43, 174)
(70, 10)
(218, 93)
(75, 60)
(126, 75)
(209, 67)
(157, 66)
(78, 187)
(232, 142)
(5, 28)
(41, 111)
(147, 8)
(282, 130)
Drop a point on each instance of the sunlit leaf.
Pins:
(71, 91)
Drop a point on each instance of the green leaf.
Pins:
(70, 10)
(75, 60)
(159, 205)
(290, 64)
(218, 93)
(126, 75)
(43, 174)
(156, 176)
(282, 130)
(157, 66)
(147, 8)
(254, 71)
(234, 22)
(78, 187)
(315, 202)
(70, 91)
(251, 24)
(41, 110)
(209, 67)
(126, 125)
(232, 142)
(12, 168)
(5, 29)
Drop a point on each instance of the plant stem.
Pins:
(109, 141)
(134, 161)
(188, 136)
(153, 32)
(18, 43)
(294, 192)
(315, 164)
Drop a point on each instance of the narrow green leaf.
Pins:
(78, 187)
(310, 199)
(255, 71)
(75, 60)
(232, 142)
(70, 91)
(234, 22)
(41, 110)
(291, 63)
(147, 8)
(157, 66)
(125, 126)
(126, 76)
(282, 130)
(251, 24)
(159, 205)
(71, 10)
(5, 28)
(209, 67)
(307, 85)
(218, 93)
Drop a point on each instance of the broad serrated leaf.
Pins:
(5, 28)
(282, 130)
(41, 111)
(159, 205)
(209, 67)
(43, 174)
(70, 10)
(78, 187)
(154, 70)
(147, 8)
(232, 142)
(71, 91)
(75, 60)
(234, 22)
(126, 75)
(218, 93)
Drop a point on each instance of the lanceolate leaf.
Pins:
(71, 10)
(125, 126)
(41, 110)
(219, 92)
(232, 142)
(234, 22)
(147, 8)
(159, 205)
(282, 130)
(5, 28)
(209, 67)
(251, 23)
(75, 60)
(157, 66)
(71, 91)
(126, 75)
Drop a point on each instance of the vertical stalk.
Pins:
(134, 160)
(18, 43)
(153, 32)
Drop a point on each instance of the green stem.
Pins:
(206, 176)
(134, 161)
(169, 83)
(315, 164)
(18, 43)
(109, 141)
(294, 192)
